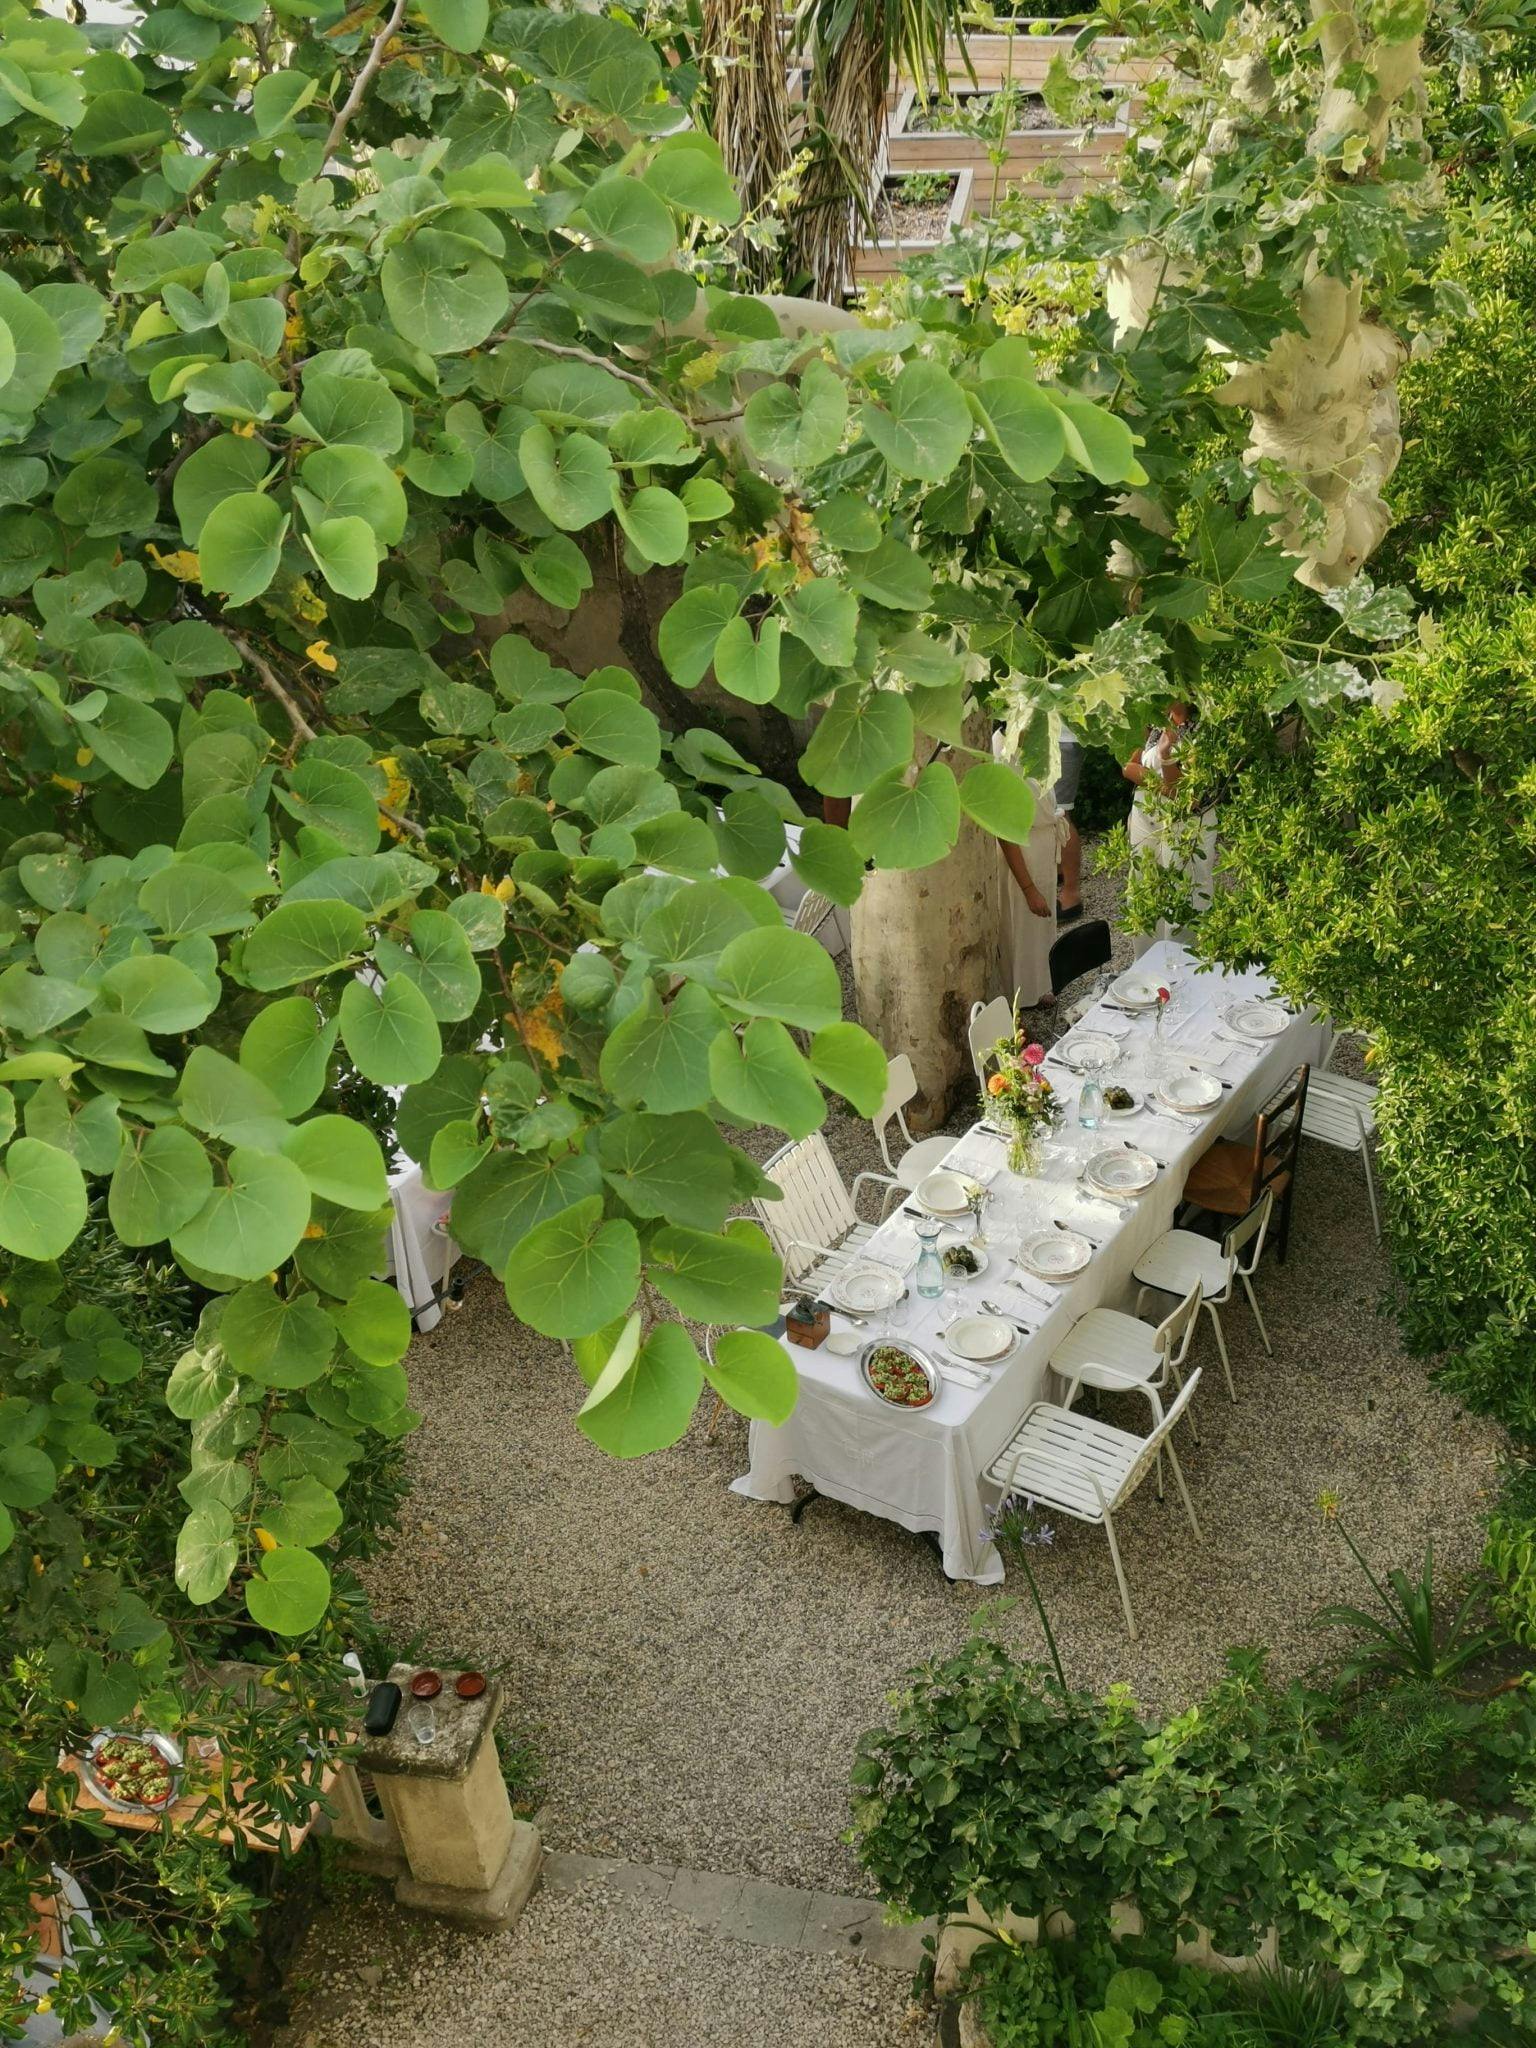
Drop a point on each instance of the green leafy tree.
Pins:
(333, 339)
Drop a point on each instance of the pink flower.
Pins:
(1162, 995)
(1034, 1055)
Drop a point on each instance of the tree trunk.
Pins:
(927, 944)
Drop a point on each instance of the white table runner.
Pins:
(922, 1467)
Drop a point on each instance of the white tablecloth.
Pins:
(922, 1468)
(421, 1253)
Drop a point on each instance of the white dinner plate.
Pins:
(1130, 1108)
(982, 1339)
(1257, 1020)
(1088, 1052)
(943, 1194)
(1136, 991)
(1055, 1254)
(1189, 1091)
(846, 1342)
(957, 1276)
(863, 1288)
(1122, 1170)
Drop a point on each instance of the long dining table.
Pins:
(923, 1467)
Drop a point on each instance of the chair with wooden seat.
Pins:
(1060, 1458)
(1231, 1178)
(815, 1226)
(989, 1022)
(920, 1155)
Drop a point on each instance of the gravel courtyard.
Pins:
(693, 1670)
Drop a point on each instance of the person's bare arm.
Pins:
(1017, 867)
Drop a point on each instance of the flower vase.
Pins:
(1024, 1151)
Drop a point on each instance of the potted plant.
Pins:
(911, 212)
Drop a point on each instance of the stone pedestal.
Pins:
(467, 1857)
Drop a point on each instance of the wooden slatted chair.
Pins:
(1062, 1459)
(1230, 1179)
(815, 1225)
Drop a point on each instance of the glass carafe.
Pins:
(930, 1267)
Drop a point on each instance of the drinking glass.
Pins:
(422, 1722)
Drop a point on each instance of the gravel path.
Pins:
(592, 1969)
(694, 1671)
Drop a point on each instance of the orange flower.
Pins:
(997, 1085)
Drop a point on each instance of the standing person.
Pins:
(1027, 878)
(1156, 772)
(1069, 900)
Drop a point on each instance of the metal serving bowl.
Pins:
(924, 1365)
(163, 1746)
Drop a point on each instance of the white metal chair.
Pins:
(1341, 1111)
(1064, 1460)
(816, 1225)
(921, 1155)
(1181, 1258)
(811, 912)
(1121, 1354)
(989, 1022)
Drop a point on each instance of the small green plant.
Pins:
(921, 188)
(1302, 2008)
(1510, 1554)
(1414, 1738)
(1412, 1633)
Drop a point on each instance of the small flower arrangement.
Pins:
(1019, 1096)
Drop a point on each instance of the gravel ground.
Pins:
(694, 1670)
(590, 1969)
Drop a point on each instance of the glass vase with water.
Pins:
(930, 1267)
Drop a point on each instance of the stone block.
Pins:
(496, 1905)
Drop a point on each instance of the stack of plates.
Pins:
(942, 1194)
(1088, 1052)
(1257, 1020)
(981, 1339)
(1055, 1254)
(1122, 1170)
(863, 1288)
(1135, 991)
(1189, 1092)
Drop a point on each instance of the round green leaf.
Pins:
(158, 993)
(762, 1078)
(121, 124)
(240, 545)
(341, 1160)
(1097, 440)
(225, 467)
(442, 297)
(678, 1167)
(461, 24)
(200, 1382)
(287, 1047)
(826, 617)
(746, 666)
(828, 861)
(571, 479)
(846, 1058)
(690, 628)
(656, 522)
(281, 1343)
(900, 825)
(206, 1553)
(438, 959)
(999, 799)
(659, 1054)
(575, 1272)
(1027, 428)
(27, 1476)
(301, 941)
(346, 554)
(732, 1277)
(614, 727)
(161, 1181)
(374, 1322)
(252, 1220)
(131, 739)
(42, 1199)
(795, 427)
(754, 1374)
(354, 483)
(629, 216)
(644, 1398)
(278, 97)
(688, 172)
(772, 972)
(390, 1033)
(289, 1593)
(305, 1513)
(107, 494)
(924, 424)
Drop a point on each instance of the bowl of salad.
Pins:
(132, 1770)
(898, 1374)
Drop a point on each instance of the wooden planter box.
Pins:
(1082, 158)
(873, 262)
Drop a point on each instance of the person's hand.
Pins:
(1036, 901)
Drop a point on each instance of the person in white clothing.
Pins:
(1027, 881)
(1155, 771)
